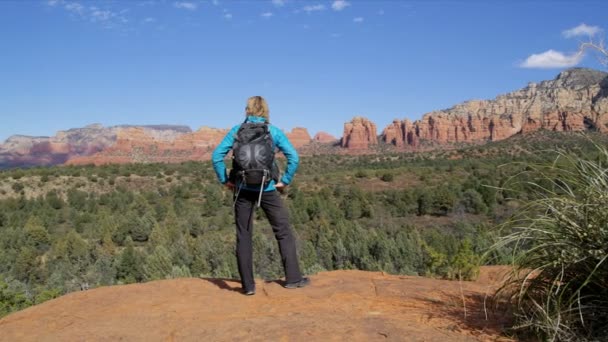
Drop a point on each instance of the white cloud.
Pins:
(313, 8)
(339, 5)
(279, 3)
(105, 17)
(190, 6)
(149, 20)
(228, 16)
(101, 15)
(552, 59)
(215, 2)
(266, 14)
(358, 19)
(581, 30)
(74, 7)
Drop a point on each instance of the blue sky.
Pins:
(69, 63)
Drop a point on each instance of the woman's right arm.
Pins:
(220, 152)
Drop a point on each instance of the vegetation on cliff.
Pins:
(66, 229)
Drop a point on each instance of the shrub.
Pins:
(17, 187)
(387, 177)
(560, 242)
(361, 174)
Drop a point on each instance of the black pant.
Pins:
(244, 212)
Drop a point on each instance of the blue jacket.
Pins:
(280, 141)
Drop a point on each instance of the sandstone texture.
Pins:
(299, 137)
(359, 134)
(576, 100)
(22, 150)
(324, 138)
(337, 306)
(139, 145)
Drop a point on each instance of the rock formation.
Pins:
(359, 134)
(136, 144)
(324, 138)
(576, 100)
(22, 150)
(339, 305)
(299, 137)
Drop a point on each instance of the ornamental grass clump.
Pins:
(559, 239)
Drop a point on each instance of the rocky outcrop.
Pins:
(136, 144)
(366, 306)
(22, 150)
(400, 134)
(299, 137)
(576, 100)
(324, 138)
(359, 134)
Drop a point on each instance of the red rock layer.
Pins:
(359, 134)
(136, 145)
(299, 137)
(324, 138)
(576, 100)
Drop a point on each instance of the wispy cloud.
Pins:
(279, 3)
(106, 17)
(339, 5)
(552, 59)
(228, 16)
(146, 3)
(190, 6)
(149, 20)
(75, 7)
(581, 30)
(215, 2)
(266, 14)
(358, 20)
(100, 15)
(313, 8)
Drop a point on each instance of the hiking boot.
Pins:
(303, 282)
(249, 292)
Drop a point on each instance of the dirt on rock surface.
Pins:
(338, 305)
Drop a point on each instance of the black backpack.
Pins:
(253, 152)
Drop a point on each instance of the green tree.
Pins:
(158, 264)
(26, 264)
(36, 234)
(129, 268)
(465, 264)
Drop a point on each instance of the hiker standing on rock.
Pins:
(255, 179)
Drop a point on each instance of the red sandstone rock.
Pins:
(359, 134)
(323, 137)
(574, 101)
(134, 144)
(339, 305)
(299, 137)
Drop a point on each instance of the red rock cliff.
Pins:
(299, 137)
(359, 134)
(136, 144)
(576, 100)
(323, 137)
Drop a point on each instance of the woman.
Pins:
(264, 194)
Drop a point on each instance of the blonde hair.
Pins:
(257, 106)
